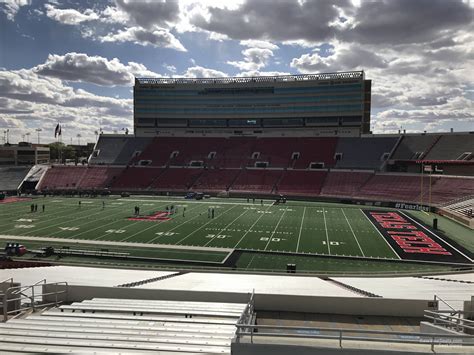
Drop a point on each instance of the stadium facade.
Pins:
(330, 104)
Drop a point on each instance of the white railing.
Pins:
(342, 335)
(19, 299)
(447, 319)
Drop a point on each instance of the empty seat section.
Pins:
(301, 182)
(62, 178)
(346, 183)
(445, 189)
(394, 188)
(97, 177)
(451, 147)
(258, 180)
(315, 150)
(216, 179)
(132, 148)
(363, 153)
(237, 153)
(108, 149)
(11, 177)
(177, 179)
(136, 178)
(276, 151)
(199, 149)
(125, 326)
(414, 147)
(158, 152)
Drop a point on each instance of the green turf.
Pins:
(456, 231)
(310, 228)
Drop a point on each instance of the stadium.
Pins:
(227, 188)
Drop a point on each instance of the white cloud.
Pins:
(343, 57)
(201, 72)
(170, 67)
(70, 16)
(252, 73)
(254, 59)
(156, 37)
(253, 43)
(92, 69)
(11, 7)
(150, 13)
(30, 100)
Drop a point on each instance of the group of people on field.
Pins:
(34, 207)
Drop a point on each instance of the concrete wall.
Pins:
(263, 302)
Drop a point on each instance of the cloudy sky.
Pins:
(74, 61)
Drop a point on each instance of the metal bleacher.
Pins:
(125, 325)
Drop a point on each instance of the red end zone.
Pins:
(413, 241)
(157, 216)
(14, 199)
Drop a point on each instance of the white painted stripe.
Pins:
(179, 225)
(383, 238)
(327, 234)
(248, 230)
(223, 229)
(205, 224)
(274, 230)
(301, 228)
(436, 236)
(355, 237)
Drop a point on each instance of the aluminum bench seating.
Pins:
(80, 335)
(59, 349)
(145, 310)
(157, 303)
(166, 319)
(120, 344)
(202, 333)
(217, 329)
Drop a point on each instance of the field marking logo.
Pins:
(410, 240)
(70, 229)
(160, 216)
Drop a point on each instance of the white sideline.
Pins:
(113, 243)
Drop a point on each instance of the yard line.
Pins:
(143, 230)
(205, 224)
(353, 232)
(274, 230)
(49, 220)
(301, 228)
(115, 221)
(60, 223)
(179, 225)
(248, 230)
(381, 236)
(326, 228)
(223, 229)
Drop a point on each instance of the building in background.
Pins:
(332, 104)
(24, 153)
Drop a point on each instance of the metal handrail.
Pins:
(436, 297)
(450, 321)
(417, 338)
(10, 279)
(20, 292)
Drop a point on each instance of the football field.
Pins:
(211, 228)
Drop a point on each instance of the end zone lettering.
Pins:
(413, 241)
